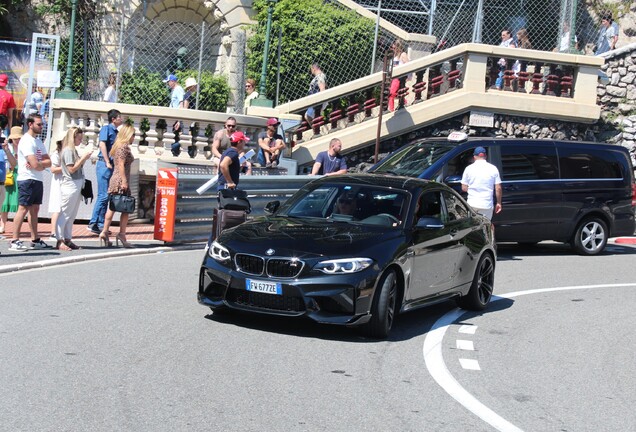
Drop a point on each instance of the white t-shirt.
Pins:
(110, 95)
(481, 178)
(30, 146)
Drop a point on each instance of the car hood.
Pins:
(306, 237)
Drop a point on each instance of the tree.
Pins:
(339, 39)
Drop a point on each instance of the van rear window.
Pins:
(521, 162)
(592, 164)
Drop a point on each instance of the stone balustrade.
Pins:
(537, 76)
(154, 133)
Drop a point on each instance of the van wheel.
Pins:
(384, 307)
(590, 237)
(482, 287)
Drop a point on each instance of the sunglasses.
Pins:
(248, 85)
(230, 126)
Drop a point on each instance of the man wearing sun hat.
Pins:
(480, 180)
(7, 103)
(189, 98)
(230, 164)
(271, 144)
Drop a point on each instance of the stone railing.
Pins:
(447, 83)
(154, 136)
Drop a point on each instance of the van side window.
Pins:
(457, 165)
(526, 162)
(592, 164)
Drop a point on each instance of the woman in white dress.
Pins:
(54, 194)
(110, 95)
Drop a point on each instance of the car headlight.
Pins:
(343, 266)
(218, 252)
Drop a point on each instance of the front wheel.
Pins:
(383, 308)
(590, 237)
(482, 287)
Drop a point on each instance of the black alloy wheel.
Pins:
(384, 307)
(482, 287)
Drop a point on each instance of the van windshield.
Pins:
(413, 160)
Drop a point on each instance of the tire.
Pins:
(481, 289)
(384, 308)
(590, 237)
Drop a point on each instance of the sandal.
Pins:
(62, 246)
(72, 245)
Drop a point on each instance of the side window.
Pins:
(526, 162)
(591, 164)
(455, 208)
(458, 164)
(429, 205)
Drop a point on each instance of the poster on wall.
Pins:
(15, 58)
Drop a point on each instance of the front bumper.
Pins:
(328, 299)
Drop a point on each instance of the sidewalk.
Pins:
(140, 235)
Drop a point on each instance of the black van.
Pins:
(568, 191)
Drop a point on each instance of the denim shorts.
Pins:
(30, 192)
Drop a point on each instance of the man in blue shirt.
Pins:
(230, 163)
(104, 170)
(330, 162)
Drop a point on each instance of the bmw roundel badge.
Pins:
(270, 252)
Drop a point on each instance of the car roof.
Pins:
(383, 180)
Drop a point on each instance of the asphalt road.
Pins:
(121, 344)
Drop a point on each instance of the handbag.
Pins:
(87, 191)
(234, 199)
(9, 180)
(121, 203)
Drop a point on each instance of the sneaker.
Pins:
(94, 229)
(268, 165)
(39, 244)
(274, 164)
(18, 245)
(53, 237)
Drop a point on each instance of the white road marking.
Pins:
(469, 364)
(434, 359)
(465, 345)
(468, 329)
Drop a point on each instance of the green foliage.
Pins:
(77, 68)
(313, 31)
(54, 7)
(143, 87)
(214, 91)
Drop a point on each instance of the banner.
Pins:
(166, 203)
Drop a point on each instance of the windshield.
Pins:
(350, 203)
(413, 160)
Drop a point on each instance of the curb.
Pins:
(9, 268)
(625, 240)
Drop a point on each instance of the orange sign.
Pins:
(166, 203)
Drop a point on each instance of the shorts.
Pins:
(484, 212)
(30, 192)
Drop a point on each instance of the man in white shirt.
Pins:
(33, 159)
(480, 180)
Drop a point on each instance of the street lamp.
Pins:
(262, 100)
(67, 92)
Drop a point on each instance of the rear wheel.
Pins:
(483, 284)
(383, 308)
(590, 237)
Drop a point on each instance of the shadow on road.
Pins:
(515, 252)
(406, 326)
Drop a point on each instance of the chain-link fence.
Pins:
(135, 50)
(140, 45)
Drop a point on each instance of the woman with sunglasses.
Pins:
(250, 90)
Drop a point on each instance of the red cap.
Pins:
(238, 136)
(4, 79)
(272, 122)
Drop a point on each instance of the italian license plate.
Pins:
(265, 287)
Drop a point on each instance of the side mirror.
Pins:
(455, 183)
(429, 223)
(271, 207)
